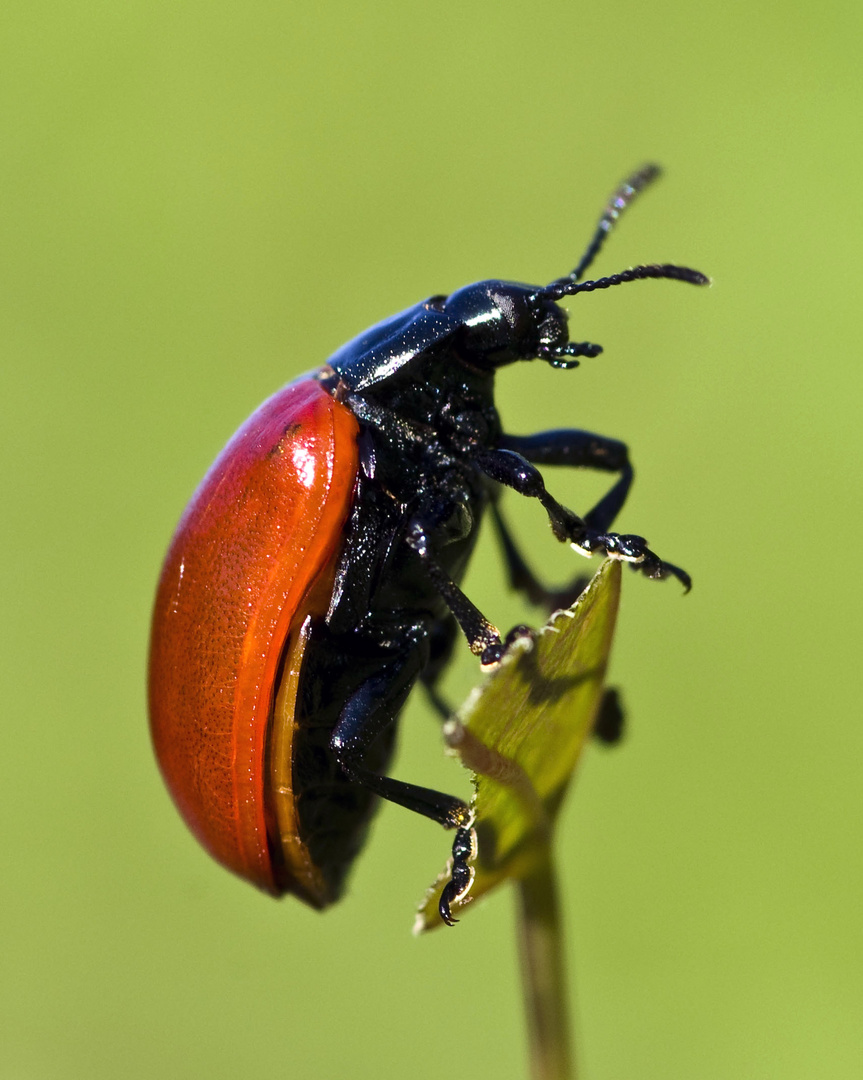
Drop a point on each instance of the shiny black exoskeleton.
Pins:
(433, 459)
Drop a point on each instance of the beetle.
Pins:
(314, 577)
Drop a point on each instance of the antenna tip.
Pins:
(648, 172)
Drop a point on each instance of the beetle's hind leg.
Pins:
(367, 712)
(461, 874)
(371, 708)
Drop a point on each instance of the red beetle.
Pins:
(314, 577)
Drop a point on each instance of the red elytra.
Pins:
(263, 528)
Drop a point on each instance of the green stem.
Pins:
(543, 973)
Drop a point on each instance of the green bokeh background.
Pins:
(199, 201)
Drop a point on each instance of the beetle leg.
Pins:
(610, 718)
(442, 636)
(372, 708)
(508, 467)
(610, 722)
(522, 579)
(367, 712)
(581, 449)
(461, 874)
(483, 637)
(439, 703)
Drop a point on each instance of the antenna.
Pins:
(616, 205)
(571, 285)
(565, 287)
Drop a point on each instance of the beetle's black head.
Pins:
(501, 322)
(493, 323)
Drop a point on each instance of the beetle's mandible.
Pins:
(314, 577)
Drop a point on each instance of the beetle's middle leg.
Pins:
(483, 637)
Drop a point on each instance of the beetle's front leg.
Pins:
(511, 469)
(584, 450)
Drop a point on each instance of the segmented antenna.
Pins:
(570, 285)
(564, 287)
(616, 205)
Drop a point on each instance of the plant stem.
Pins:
(543, 974)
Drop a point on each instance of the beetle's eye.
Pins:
(552, 328)
(435, 303)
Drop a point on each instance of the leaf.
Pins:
(521, 733)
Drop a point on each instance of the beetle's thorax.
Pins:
(434, 405)
(438, 397)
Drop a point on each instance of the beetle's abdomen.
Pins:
(265, 523)
(330, 813)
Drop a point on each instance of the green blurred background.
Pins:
(198, 201)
